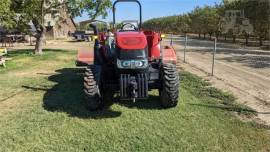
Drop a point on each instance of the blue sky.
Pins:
(152, 9)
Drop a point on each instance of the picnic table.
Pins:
(7, 40)
(3, 52)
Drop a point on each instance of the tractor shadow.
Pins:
(152, 103)
(67, 96)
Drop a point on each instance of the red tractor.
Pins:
(130, 62)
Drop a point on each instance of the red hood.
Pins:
(131, 40)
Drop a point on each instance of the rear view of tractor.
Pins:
(131, 62)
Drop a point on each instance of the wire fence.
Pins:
(246, 68)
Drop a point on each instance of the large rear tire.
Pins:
(169, 91)
(92, 85)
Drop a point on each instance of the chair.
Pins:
(3, 52)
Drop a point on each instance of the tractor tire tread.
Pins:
(169, 93)
(91, 88)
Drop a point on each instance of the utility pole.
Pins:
(185, 48)
(214, 54)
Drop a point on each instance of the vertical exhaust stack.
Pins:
(97, 56)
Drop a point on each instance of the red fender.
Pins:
(169, 55)
(84, 57)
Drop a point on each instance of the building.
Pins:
(84, 25)
(60, 25)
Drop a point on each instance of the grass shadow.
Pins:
(76, 41)
(18, 52)
(251, 61)
(212, 97)
(67, 96)
(228, 108)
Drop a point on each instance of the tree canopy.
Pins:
(253, 20)
(6, 15)
(35, 10)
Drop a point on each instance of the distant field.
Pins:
(42, 109)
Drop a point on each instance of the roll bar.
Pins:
(135, 1)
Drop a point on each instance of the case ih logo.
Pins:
(236, 22)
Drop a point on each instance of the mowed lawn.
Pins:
(42, 109)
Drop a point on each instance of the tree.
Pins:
(232, 17)
(221, 21)
(35, 10)
(258, 14)
(6, 15)
(211, 19)
(183, 23)
(198, 24)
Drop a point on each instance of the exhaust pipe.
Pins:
(95, 29)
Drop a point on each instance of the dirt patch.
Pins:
(11, 102)
(31, 74)
(236, 73)
(57, 44)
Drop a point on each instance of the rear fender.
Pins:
(169, 55)
(84, 57)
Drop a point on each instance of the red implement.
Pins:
(169, 55)
(84, 57)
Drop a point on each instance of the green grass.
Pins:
(42, 109)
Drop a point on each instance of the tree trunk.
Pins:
(39, 42)
(261, 41)
(247, 36)
(40, 29)
(204, 35)
(31, 44)
(199, 35)
(234, 39)
(225, 37)
(210, 34)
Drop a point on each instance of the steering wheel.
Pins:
(132, 25)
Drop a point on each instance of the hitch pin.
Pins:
(134, 94)
(134, 87)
